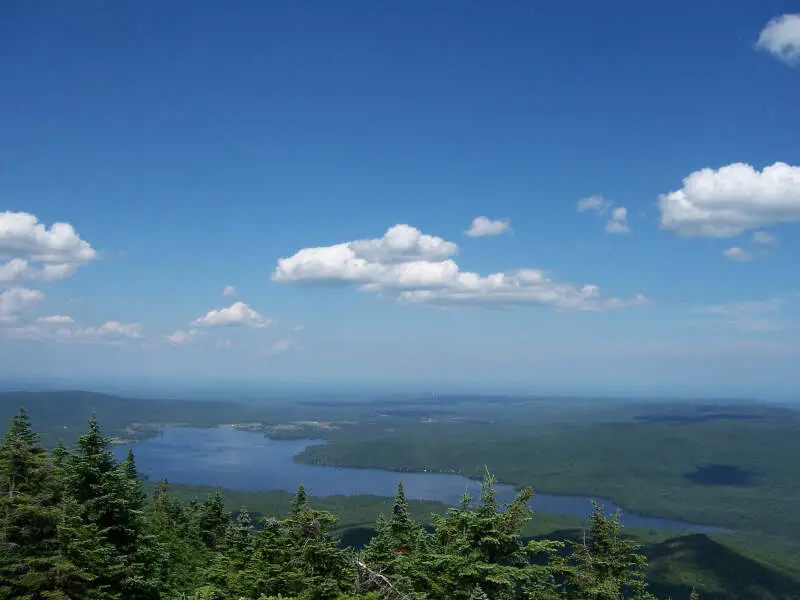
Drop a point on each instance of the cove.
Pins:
(243, 460)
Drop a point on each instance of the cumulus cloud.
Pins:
(430, 276)
(403, 251)
(236, 314)
(485, 227)
(34, 253)
(725, 202)
(38, 253)
(13, 270)
(781, 38)
(618, 222)
(15, 300)
(182, 337)
(55, 320)
(228, 290)
(737, 254)
(592, 203)
(764, 238)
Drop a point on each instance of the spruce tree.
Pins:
(212, 519)
(317, 567)
(605, 565)
(482, 547)
(399, 550)
(29, 515)
(176, 533)
(109, 505)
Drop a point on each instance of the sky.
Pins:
(560, 197)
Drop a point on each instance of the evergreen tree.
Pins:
(230, 573)
(317, 565)
(300, 500)
(109, 504)
(399, 550)
(29, 515)
(605, 565)
(212, 520)
(482, 547)
(176, 533)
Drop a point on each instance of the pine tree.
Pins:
(300, 500)
(212, 519)
(176, 533)
(29, 514)
(317, 566)
(482, 547)
(136, 493)
(605, 565)
(109, 505)
(399, 550)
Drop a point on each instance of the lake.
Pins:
(243, 460)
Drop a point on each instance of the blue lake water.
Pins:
(243, 460)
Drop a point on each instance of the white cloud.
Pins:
(228, 290)
(485, 227)
(433, 277)
(299, 328)
(618, 222)
(182, 337)
(15, 300)
(364, 261)
(55, 320)
(23, 240)
(280, 347)
(764, 238)
(236, 314)
(781, 38)
(58, 328)
(737, 254)
(34, 253)
(732, 199)
(592, 203)
(13, 270)
(21, 234)
(18, 269)
(112, 329)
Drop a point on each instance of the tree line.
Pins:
(75, 524)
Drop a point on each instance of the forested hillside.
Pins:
(76, 524)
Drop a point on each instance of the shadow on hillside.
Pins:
(717, 572)
(720, 573)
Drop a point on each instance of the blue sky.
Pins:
(636, 165)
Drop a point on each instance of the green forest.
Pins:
(77, 524)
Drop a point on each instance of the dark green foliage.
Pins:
(179, 538)
(482, 548)
(400, 549)
(29, 516)
(605, 565)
